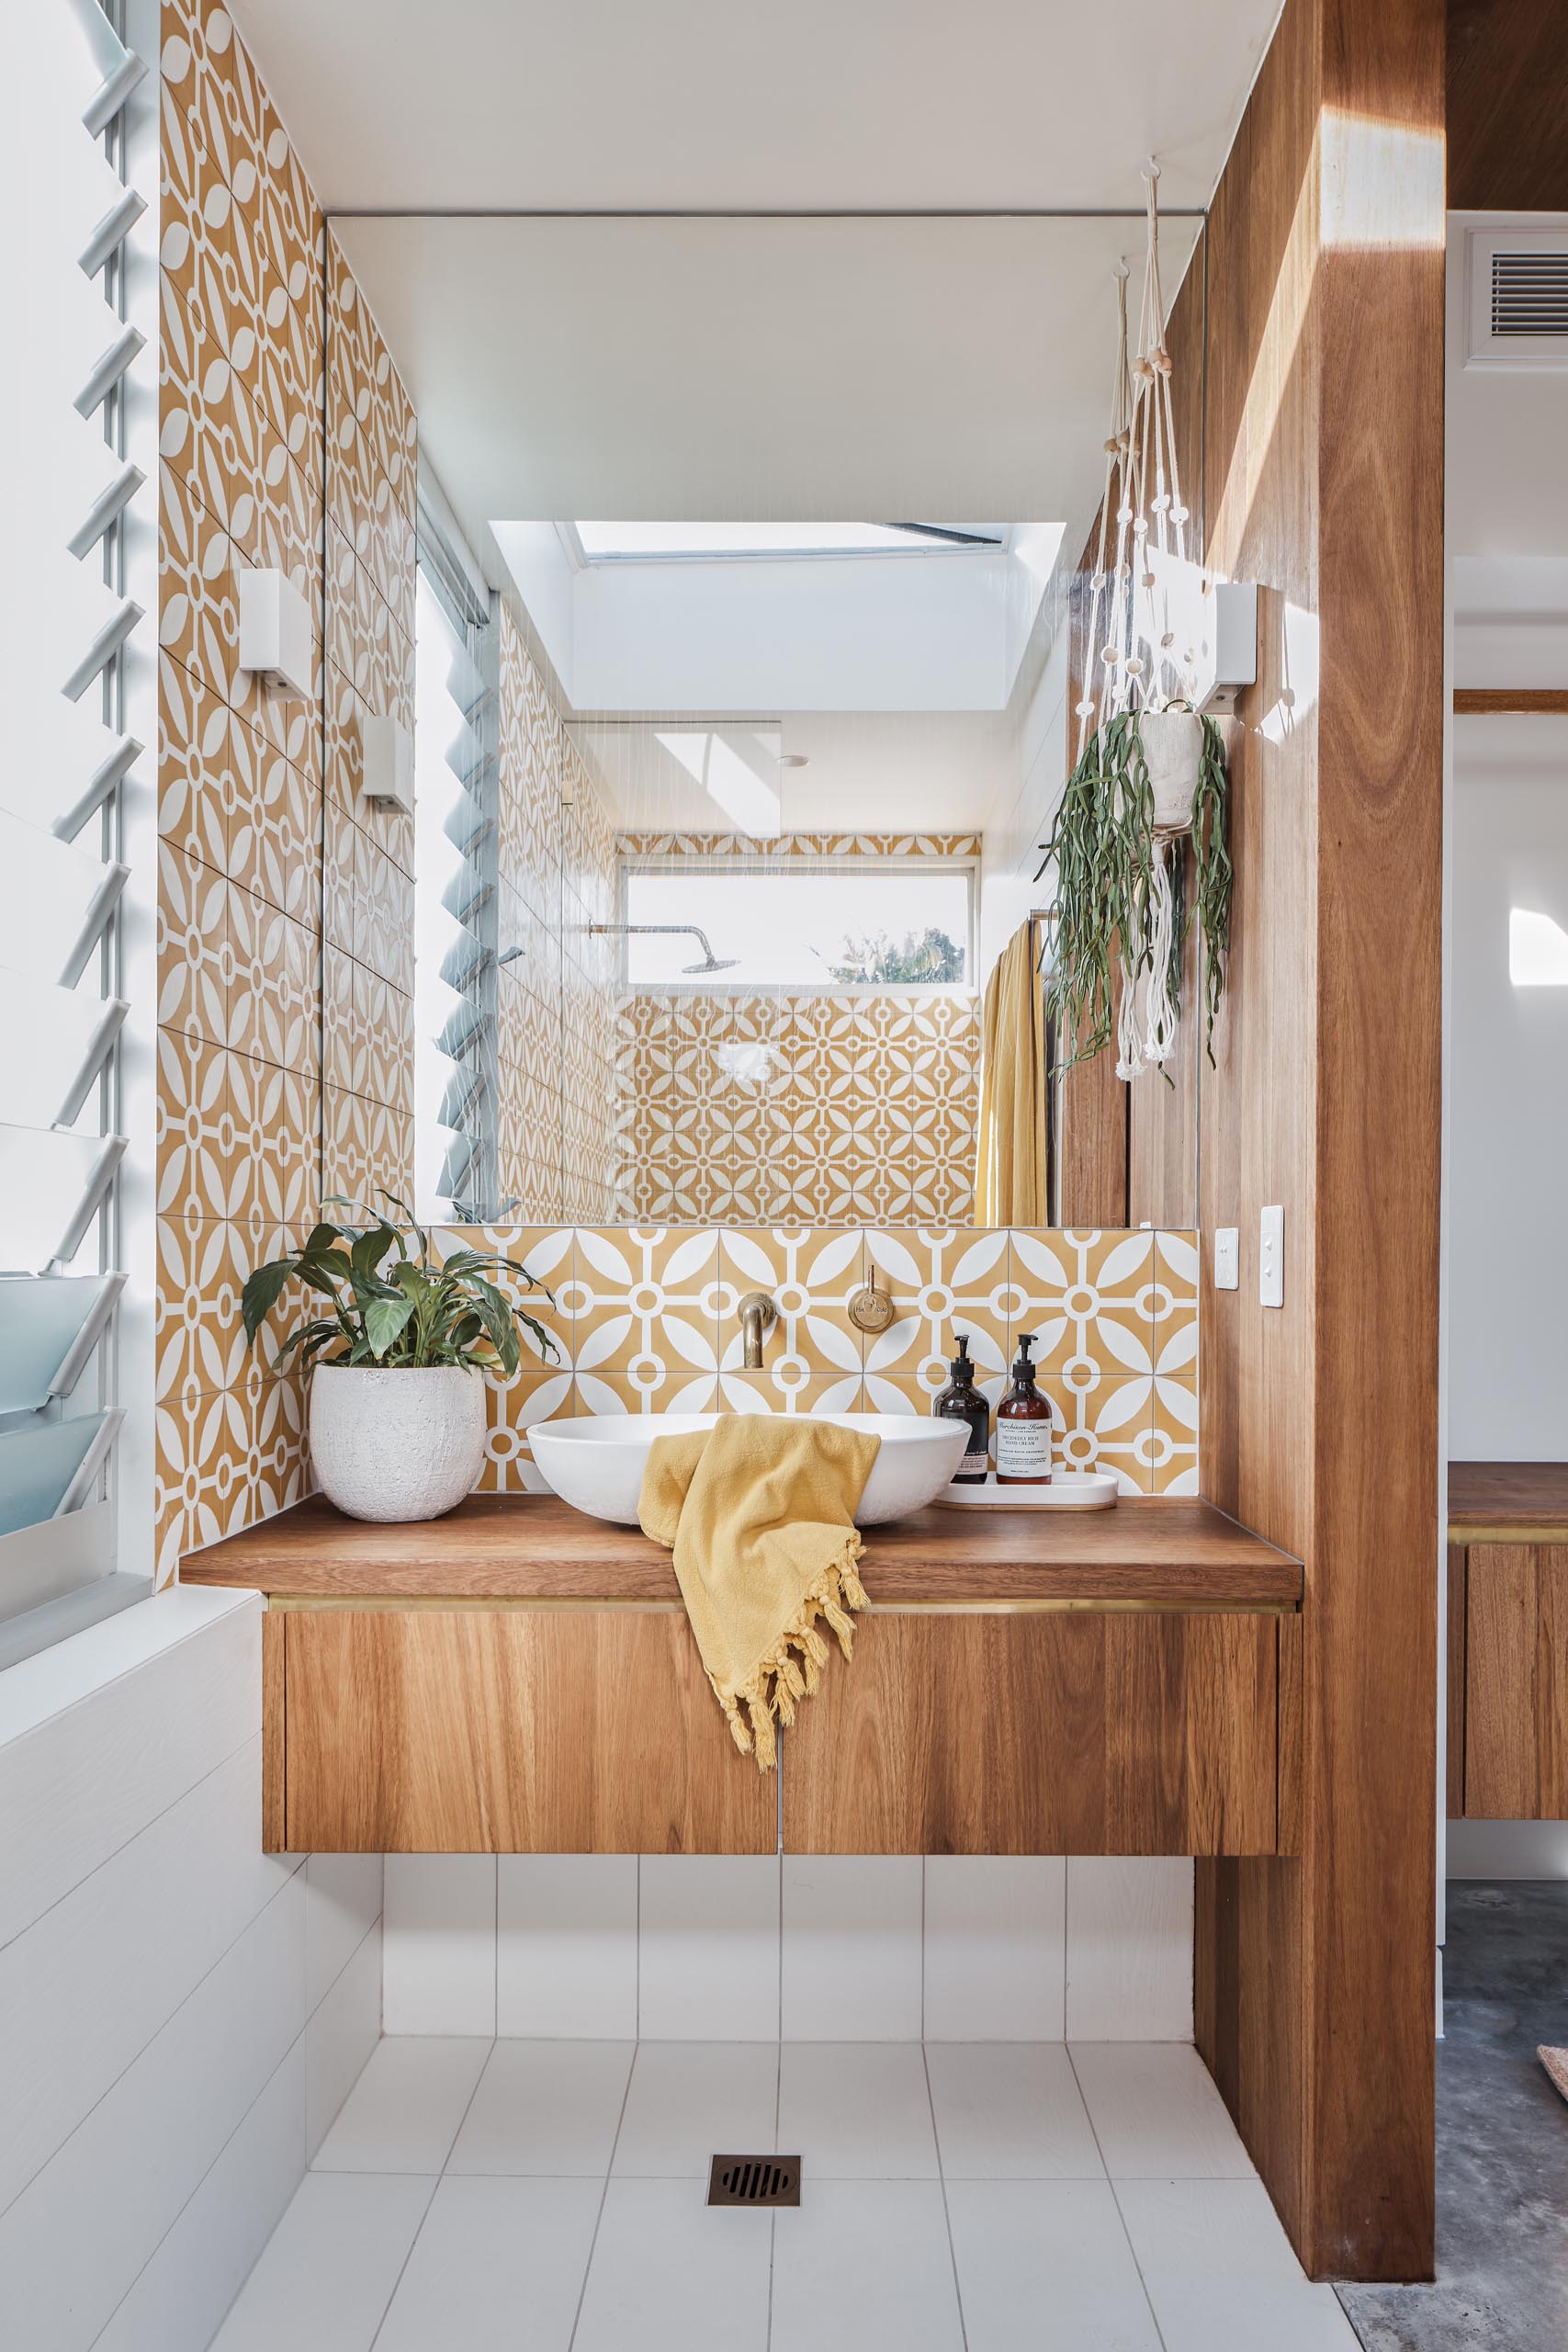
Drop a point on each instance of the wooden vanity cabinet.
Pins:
(1507, 1625)
(513, 1731)
(1056, 1733)
(518, 1679)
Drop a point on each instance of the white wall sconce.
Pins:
(387, 762)
(275, 630)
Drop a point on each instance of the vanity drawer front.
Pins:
(573, 1731)
(1513, 1734)
(1054, 1732)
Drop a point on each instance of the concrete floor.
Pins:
(1502, 2283)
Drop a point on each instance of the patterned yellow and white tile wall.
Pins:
(796, 1108)
(555, 1012)
(645, 1319)
(265, 348)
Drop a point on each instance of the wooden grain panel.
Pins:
(1077, 1735)
(510, 1732)
(1290, 1705)
(1507, 105)
(274, 1826)
(1519, 1495)
(1324, 460)
(1457, 1646)
(1175, 1550)
(1504, 702)
(1516, 1682)
(1500, 1774)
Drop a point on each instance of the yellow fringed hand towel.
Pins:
(759, 1514)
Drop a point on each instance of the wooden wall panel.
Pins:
(1323, 467)
(1516, 1682)
(513, 1731)
(1055, 1733)
(274, 1823)
(1507, 105)
(1458, 1639)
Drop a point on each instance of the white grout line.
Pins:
(946, 2215)
(1088, 2111)
(603, 2193)
(431, 2198)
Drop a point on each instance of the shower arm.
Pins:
(667, 931)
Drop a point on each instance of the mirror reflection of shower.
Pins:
(711, 963)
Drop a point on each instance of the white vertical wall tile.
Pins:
(851, 1948)
(995, 1957)
(177, 2302)
(330, 2271)
(339, 2040)
(102, 2204)
(343, 1903)
(1129, 1949)
(439, 1944)
(566, 1945)
(708, 1951)
(85, 1989)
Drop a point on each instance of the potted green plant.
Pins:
(1150, 795)
(396, 1358)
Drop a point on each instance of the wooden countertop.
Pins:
(1507, 1502)
(1171, 1552)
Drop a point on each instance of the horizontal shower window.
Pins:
(886, 923)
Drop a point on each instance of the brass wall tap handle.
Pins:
(871, 1309)
(759, 1313)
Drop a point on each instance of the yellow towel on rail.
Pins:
(759, 1514)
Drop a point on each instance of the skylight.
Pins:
(718, 542)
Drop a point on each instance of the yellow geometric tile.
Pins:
(811, 1274)
(646, 1299)
(1084, 1295)
(513, 1410)
(1170, 1440)
(784, 1390)
(648, 1386)
(943, 1280)
(1173, 1303)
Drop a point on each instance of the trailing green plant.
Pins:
(1105, 850)
(389, 1307)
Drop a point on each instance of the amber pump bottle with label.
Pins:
(1023, 1427)
(962, 1401)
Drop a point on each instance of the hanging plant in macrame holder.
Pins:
(1144, 810)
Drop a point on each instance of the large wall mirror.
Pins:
(725, 830)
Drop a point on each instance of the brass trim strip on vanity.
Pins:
(1091, 1605)
(1465, 1533)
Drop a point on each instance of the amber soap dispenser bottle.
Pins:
(962, 1401)
(1023, 1427)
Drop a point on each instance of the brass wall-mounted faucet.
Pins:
(759, 1313)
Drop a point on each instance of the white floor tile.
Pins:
(670, 2274)
(327, 2275)
(851, 1947)
(995, 1949)
(690, 2101)
(1009, 2112)
(403, 2112)
(1155, 2112)
(1129, 1948)
(566, 1945)
(856, 2111)
(1047, 2263)
(545, 2106)
(1219, 2270)
(866, 2263)
(438, 1918)
(708, 1949)
(497, 2264)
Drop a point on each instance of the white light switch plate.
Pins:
(1271, 1258)
(1227, 1257)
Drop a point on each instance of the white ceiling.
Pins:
(610, 104)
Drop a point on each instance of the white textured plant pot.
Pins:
(396, 1444)
(1173, 746)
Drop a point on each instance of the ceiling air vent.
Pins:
(1518, 299)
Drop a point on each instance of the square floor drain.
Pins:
(754, 2180)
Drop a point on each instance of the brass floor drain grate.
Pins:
(754, 2180)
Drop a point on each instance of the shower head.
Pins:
(710, 963)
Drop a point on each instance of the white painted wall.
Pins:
(862, 1948)
(181, 2015)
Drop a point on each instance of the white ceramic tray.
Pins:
(1068, 1491)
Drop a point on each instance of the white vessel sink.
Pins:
(597, 1464)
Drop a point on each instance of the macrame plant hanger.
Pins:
(1142, 497)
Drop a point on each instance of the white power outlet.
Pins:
(1227, 1257)
(1271, 1258)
